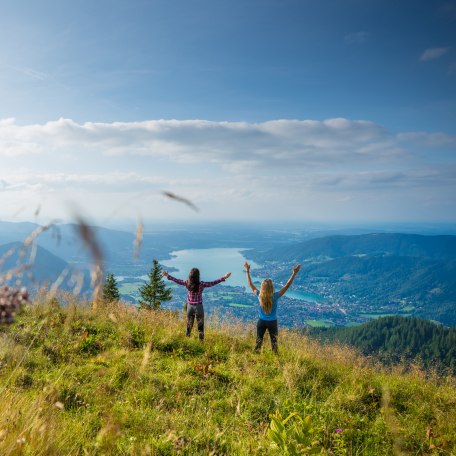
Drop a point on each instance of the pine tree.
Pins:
(154, 292)
(110, 289)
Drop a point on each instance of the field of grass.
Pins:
(81, 379)
(376, 315)
(408, 309)
(319, 323)
(129, 288)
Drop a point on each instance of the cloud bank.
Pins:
(282, 142)
(234, 164)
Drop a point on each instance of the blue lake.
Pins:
(216, 262)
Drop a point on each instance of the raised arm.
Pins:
(170, 277)
(249, 279)
(290, 280)
(215, 282)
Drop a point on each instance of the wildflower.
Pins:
(338, 431)
(11, 301)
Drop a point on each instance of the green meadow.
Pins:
(319, 323)
(95, 379)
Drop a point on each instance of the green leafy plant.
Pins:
(70, 398)
(137, 337)
(90, 344)
(293, 435)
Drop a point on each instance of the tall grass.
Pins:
(78, 379)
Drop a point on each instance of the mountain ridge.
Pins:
(396, 244)
(34, 266)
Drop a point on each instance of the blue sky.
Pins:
(292, 109)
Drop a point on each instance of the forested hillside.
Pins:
(375, 244)
(398, 339)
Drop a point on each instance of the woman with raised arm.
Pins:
(268, 307)
(195, 298)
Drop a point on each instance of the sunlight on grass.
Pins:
(114, 380)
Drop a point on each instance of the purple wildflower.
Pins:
(338, 431)
(11, 301)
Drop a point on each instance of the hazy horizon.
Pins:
(150, 226)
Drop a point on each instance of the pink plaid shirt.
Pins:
(195, 297)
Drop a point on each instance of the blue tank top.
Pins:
(273, 315)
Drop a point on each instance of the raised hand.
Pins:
(165, 273)
(247, 266)
(296, 269)
(227, 275)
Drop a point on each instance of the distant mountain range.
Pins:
(414, 271)
(381, 244)
(396, 339)
(34, 266)
(118, 247)
(64, 241)
(384, 273)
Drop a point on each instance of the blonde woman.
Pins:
(268, 306)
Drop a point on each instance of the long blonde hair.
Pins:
(266, 295)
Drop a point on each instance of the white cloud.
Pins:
(229, 165)
(282, 142)
(433, 53)
(117, 182)
(437, 139)
(392, 180)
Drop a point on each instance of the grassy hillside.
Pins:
(79, 380)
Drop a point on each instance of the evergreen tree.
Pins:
(154, 292)
(110, 289)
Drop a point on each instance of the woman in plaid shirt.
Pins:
(195, 298)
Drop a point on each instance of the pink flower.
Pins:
(338, 431)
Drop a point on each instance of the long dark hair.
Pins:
(194, 280)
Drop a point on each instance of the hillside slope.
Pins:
(114, 380)
(374, 244)
(393, 339)
(34, 267)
